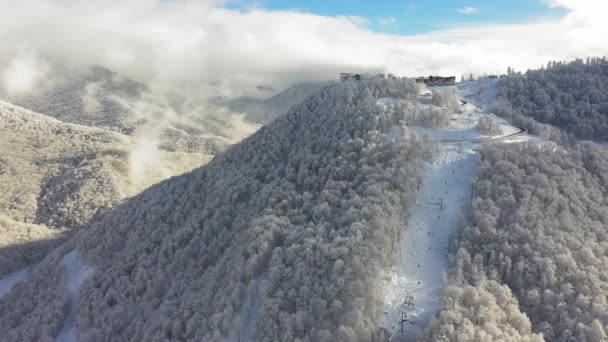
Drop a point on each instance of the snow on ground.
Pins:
(77, 273)
(463, 126)
(482, 91)
(412, 288)
(424, 244)
(7, 283)
(386, 102)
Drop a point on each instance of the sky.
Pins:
(208, 48)
(417, 16)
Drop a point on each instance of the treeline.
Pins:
(536, 242)
(299, 218)
(571, 96)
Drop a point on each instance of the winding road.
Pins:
(484, 140)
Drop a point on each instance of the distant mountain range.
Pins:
(264, 111)
(100, 139)
(93, 97)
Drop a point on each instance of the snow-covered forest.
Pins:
(302, 232)
(571, 96)
(312, 171)
(57, 177)
(98, 97)
(532, 258)
(299, 218)
(115, 139)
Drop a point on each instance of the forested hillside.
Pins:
(281, 238)
(571, 96)
(536, 239)
(56, 177)
(93, 97)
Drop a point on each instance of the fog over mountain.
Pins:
(98, 97)
(264, 111)
(93, 97)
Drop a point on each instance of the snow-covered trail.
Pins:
(7, 282)
(416, 283)
(413, 287)
(77, 273)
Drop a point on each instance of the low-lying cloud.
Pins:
(186, 45)
(22, 72)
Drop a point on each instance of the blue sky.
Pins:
(419, 16)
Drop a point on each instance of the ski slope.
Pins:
(423, 257)
(413, 287)
(77, 273)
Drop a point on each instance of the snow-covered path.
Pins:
(413, 287)
(77, 273)
(416, 283)
(7, 283)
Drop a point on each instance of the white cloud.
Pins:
(469, 10)
(23, 71)
(186, 45)
(387, 21)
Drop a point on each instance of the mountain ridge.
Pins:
(331, 179)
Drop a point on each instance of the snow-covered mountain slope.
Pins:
(77, 273)
(413, 288)
(53, 176)
(424, 244)
(264, 111)
(98, 97)
(570, 96)
(7, 282)
(47, 164)
(533, 252)
(299, 220)
(93, 97)
(22, 244)
(56, 177)
(483, 91)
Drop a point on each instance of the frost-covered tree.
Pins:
(483, 311)
(538, 226)
(433, 117)
(446, 97)
(571, 96)
(488, 125)
(60, 176)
